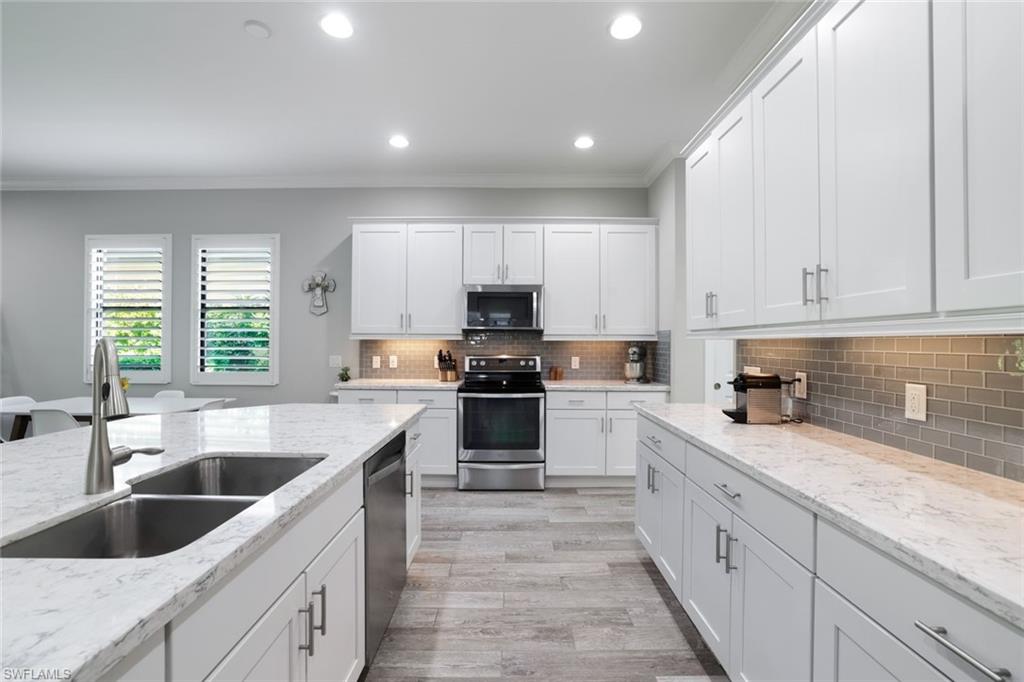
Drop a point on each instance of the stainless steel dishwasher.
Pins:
(384, 499)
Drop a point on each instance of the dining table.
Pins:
(80, 407)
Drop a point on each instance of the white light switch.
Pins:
(917, 402)
(334, 361)
(574, 362)
(800, 387)
(376, 361)
(748, 369)
(393, 361)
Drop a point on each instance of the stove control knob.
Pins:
(522, 363)
(483, 362)
(531, 363)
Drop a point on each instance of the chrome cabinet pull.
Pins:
(724, 487)
(718, 543)
(506, 273)
(602, 424)
(817, 282)
(401, 321)
(804, 298)
(707, 304)
(429, 401)
(576, 401)
(365, 400)
(937, 632)
(611, 420)
(309, 646)
(408, 321)
(714, 304)
(729, 539)
(648, 477)
(498, 276)
(596, 325)
(412, 487)
(654, 480)
(415, 436)
(604, 320)
(655, 441)
(322, 593)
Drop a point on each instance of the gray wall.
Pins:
(42, 260)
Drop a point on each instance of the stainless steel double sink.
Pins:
(165, 512)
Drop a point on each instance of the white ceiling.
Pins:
(147, 94)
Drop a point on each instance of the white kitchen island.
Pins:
(78, 619)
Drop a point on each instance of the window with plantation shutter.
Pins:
(234, 321)
(128, 298)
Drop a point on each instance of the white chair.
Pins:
(213, 405)
(7, 421)
(170, 393)
(52, 421)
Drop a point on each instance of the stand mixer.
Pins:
(636, 365)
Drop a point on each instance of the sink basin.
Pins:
(227, 476)
(136, 526)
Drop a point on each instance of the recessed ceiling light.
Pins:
(625, 26)
(257, 29)
(583, 142)
(398, 141)
(337, 25)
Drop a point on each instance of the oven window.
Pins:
(499, 309)
(501, 424)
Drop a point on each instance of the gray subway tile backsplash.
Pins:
(975, 388)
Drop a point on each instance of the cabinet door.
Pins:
(572, 280)
(413, 502)
(706, 584)
(629, 295)
(437, 452)
(620, 455)
(874, 104)
(336, 584)
(771, 610)
(979, 167)
(785, 118)
(733, 301)
(378, 279)
(669, 489)
(850, 646)
(648, 513)
(575, 442)
(524, 254)
(482, 258)
(435, 280)
(703, 252)
(270, 652)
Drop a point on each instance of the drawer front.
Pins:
(898, 597)
(576, 400)
(367, 397)
(669, 446)
(625, 400)
(439, 399)
(788, 525)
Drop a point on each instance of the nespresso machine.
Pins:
(758, 399)
(636, 365)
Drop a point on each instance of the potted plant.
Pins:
(344, 375)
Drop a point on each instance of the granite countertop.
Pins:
(962, 528)
(434, 385)
(85, 615)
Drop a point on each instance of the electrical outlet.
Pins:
(375, 361)
(917, 402)
(435, 363)
(393, 361)
(747, 369)
(800, 387)
(334, 361)
(574, 362)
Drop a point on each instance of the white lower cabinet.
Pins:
(620, 443)
(575, 442)
(771, 610)
(659, 514)
(648, 515)
(413, 499)
(271, 650)
(850, 646)
(437, 453)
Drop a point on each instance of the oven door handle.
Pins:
(502, 396)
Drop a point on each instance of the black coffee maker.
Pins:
(758, 398)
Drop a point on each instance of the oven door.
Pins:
(501, 427)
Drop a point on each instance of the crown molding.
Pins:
(352, 181)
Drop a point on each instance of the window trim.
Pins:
(271, 378)
(115, 241)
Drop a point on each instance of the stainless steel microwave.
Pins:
(499, 307)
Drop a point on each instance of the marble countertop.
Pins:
(434, 385)
(85, 615)
(962, 528)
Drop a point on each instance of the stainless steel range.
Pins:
(501, 424)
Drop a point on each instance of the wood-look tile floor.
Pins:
(548, 585)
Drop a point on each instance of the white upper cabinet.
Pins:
(979, 154)
(434, 301)
(732, 300)
(482, 247)
(702, 235)
(785, 119)
(629, 297)
(378, 279)
(875, 115)
(503, 254)
(524, 254)
(572, 280)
